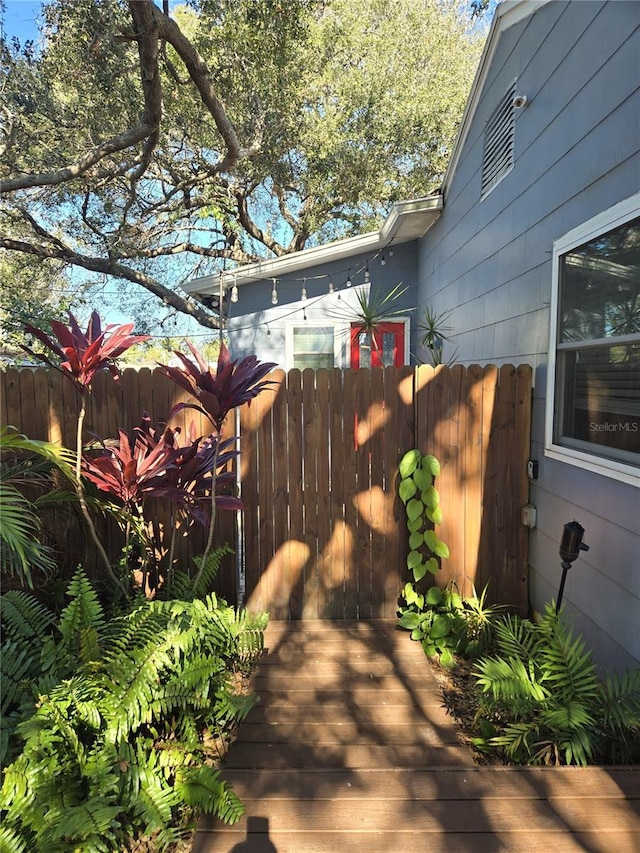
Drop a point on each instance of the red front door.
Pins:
(384, 347)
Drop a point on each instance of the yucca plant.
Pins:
(541, 701)
(116, 747)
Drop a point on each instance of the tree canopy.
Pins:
(152, 144)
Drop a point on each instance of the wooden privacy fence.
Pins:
(323, 531)
(44, 405)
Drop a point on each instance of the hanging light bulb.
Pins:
(383, 260)
(349, 279)
(274, 294)
(390, 253)
(331, 287)
(304, 314)
(367, 277)
(234, 292)
(268, 331)
(303, 295)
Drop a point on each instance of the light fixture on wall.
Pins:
(274, 292)
(570, 546)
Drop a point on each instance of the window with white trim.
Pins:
(312, 346)
(594, 375)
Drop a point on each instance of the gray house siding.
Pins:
(489, 262)
(256, 327)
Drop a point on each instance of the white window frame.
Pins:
(606, 221)
(338, 333)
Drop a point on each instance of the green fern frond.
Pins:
(92, 824)
(202, 789)
(12, 842)
(83, 611)
(24, 616)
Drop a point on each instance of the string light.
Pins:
(303, 295)
(331, 287)
(268, 330)
(274, 293)
(367, 277)
(349, 279)
(234, 292)
(383, 261)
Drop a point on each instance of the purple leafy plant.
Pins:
(79, 356)
(216, 393)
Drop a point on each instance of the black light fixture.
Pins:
(570, 546)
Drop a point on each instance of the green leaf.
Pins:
(446, 658)
(416, 540)
(431, 497)
(407, 490)
(419, 572)
(409, 463)
(421, 479)
(441, 627)
(441, 550)
(434, 596)
(417, 634)
(414, 559)
(409, 620)
(431, 539)
(415, 509)
(414, 524)
(431, 464)
(432, 565)
(435, 515)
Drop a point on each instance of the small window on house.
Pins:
(497, 157)
(596, 382)
(313, 346)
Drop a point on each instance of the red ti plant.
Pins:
(79, 356)
(216, 394)
(138, 467)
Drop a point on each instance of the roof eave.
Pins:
(407, 220)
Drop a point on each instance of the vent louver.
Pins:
(497, 158)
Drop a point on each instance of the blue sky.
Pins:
(20, 18)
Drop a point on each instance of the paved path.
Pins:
(351, 751)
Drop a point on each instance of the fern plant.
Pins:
(541, 701)
(107, 734)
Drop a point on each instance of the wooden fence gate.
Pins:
(323, 531)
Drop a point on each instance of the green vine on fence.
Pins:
(422, 503)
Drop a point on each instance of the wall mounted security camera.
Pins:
(520, 101)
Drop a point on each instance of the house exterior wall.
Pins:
(489, 263)
(256, 327)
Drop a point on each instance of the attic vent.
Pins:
(498, 142)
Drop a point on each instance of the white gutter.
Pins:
(406, 221)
